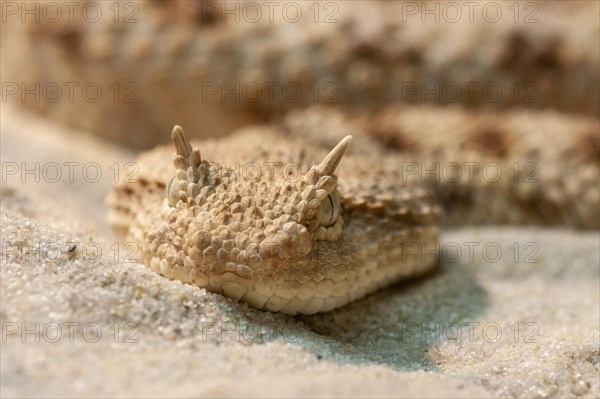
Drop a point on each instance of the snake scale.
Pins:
(294, 216)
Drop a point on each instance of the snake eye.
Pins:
(173, 189)
(329, 210)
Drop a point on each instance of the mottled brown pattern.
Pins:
(489, 141)
(532, 53)
(179, 51)
(393, 139)
(589, 147)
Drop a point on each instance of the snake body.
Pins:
(157, 63)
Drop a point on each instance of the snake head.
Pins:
(268, 242)
(274, 242)
(217, 212)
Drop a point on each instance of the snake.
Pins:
(298, 218)
(278, 209)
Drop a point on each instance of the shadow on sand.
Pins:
(396, 326)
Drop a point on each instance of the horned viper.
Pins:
(293, 218)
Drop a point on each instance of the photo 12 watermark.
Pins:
(269, 92)
(269, 11)
(70, 92)
(453, 12)
(69, 12)
(469, 92)
(490, 332)
(67, 172)
(69, 331)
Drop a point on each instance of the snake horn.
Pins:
(182, 145)
(332, 160)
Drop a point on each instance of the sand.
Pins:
(518, 316)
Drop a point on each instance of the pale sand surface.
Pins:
(528, 320)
